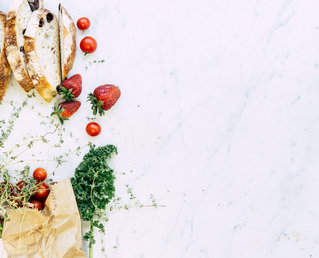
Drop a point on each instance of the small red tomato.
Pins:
(21, 184)
(6, 189)
(93, 129)
(16, 200)
(88, 45)
(42, 193)
(83, 23)
(36, 204)
(40, 174)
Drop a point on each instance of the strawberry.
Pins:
(71, 88)
(65, 109)
(103, 98)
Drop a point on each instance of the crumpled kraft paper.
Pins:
(3, 253)
(54, 232)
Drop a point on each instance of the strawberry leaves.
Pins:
(66, 93)
(97, 105)
(58, 110)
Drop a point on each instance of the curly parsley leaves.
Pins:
(93, 185)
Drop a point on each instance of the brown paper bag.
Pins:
(54, 232)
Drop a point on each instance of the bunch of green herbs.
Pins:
(93, 185)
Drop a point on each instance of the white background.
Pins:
(218, 119)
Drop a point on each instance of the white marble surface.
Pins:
(218, 119)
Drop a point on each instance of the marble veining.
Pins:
(218, 120)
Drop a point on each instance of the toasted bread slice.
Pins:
(5, 70)
(17, 21)
(42, 50)
(67, 41)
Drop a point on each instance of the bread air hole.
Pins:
(49, 17)
(41, 22)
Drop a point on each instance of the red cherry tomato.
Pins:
(4, 185)
(88, 45)
(36, 204)
(40, 174)
(93, 129)
(21, 184)
(7, 189)
(42, 193)
(16, 200)
(83, 23)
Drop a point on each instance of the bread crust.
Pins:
(68, 36)
(12, 50)
(45, 89)
(5, 70)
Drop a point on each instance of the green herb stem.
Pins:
(91, 239)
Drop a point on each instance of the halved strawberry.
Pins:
(103, 98)
(71, 88)
(65, 109)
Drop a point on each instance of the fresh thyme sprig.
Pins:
(6, 132)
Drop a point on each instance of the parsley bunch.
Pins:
(93, 185)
